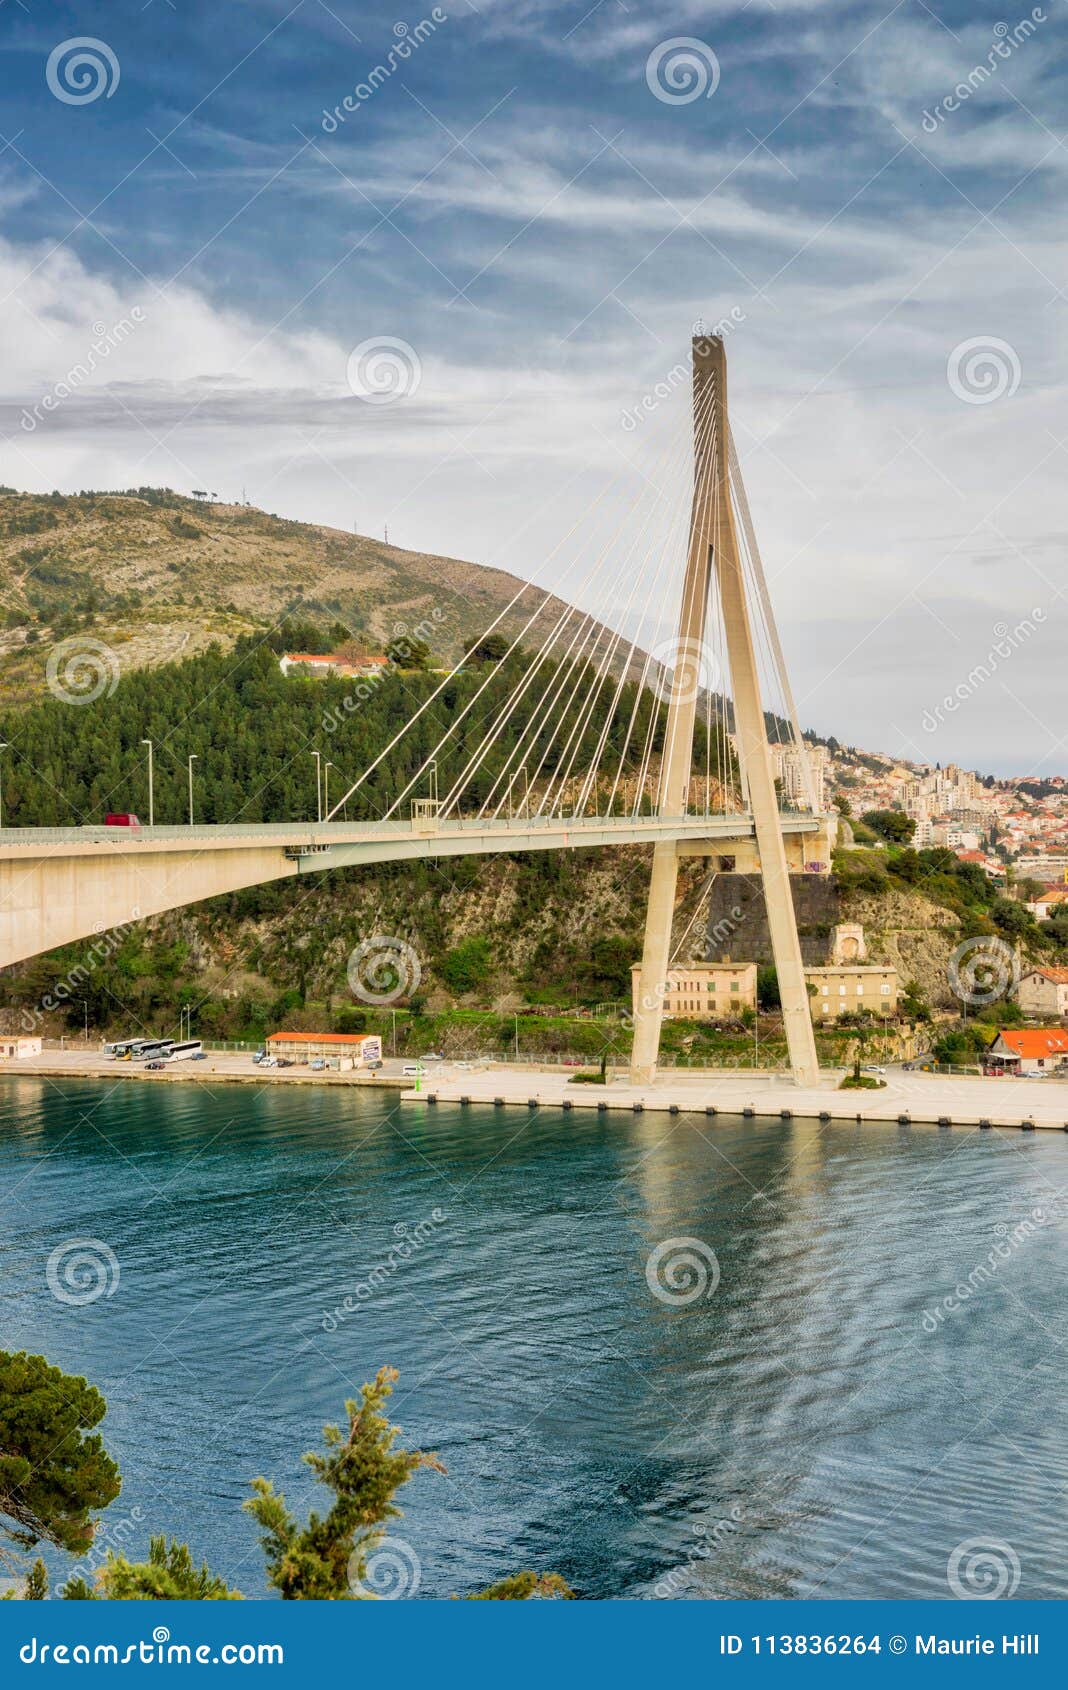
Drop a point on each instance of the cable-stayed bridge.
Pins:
(601, 738)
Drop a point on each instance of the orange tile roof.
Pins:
(1059, 976)
(319, 1038)
(1034, 1041)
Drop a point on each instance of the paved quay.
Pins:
(954, 1100)
(940, 1099)
(224, 1067)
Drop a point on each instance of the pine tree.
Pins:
(54, 1470)
(328, 1557)
(168, 1575)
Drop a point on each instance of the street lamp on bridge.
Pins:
(3, 747)
(151, 792)
(192, 760)
(318, 783)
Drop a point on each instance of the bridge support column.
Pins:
(713, 545)
(656, 955)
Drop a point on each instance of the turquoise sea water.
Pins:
(820, 1424)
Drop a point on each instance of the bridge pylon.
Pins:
(713, 556)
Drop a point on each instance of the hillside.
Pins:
(156, 576)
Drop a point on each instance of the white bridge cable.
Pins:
(527, 586)
(521, 749)
(589, 625)
(574, 741)
(575, 656)
(668, 553)
(566, 611)
(591, 633)
(704, 492)
(701, 901)
(703, 425)
(764, 598)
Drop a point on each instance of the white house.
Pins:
(1044, 992)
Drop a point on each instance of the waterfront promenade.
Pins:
(956, 1100)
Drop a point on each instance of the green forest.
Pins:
(252, 731)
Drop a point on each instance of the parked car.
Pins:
(924, 1061)
(411, 1069)
(318, 1065)
(269, 1062)
(199, 1056)
(121, 818)
(151, 1065)
(260, 1056)
(374, 1064)
(872, 1068)
(284, 1062)
(433, 1056)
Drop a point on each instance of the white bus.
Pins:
(132, 1050)
(189, 1050)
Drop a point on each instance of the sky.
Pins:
(425, 269)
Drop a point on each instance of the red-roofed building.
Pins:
(1027, 1050)
(1044, 991)
(329, 663)
(359, 1049)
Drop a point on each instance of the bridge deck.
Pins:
(516, 834)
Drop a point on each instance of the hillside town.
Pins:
(1015, 828)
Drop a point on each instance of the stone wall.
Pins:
(744, 936)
